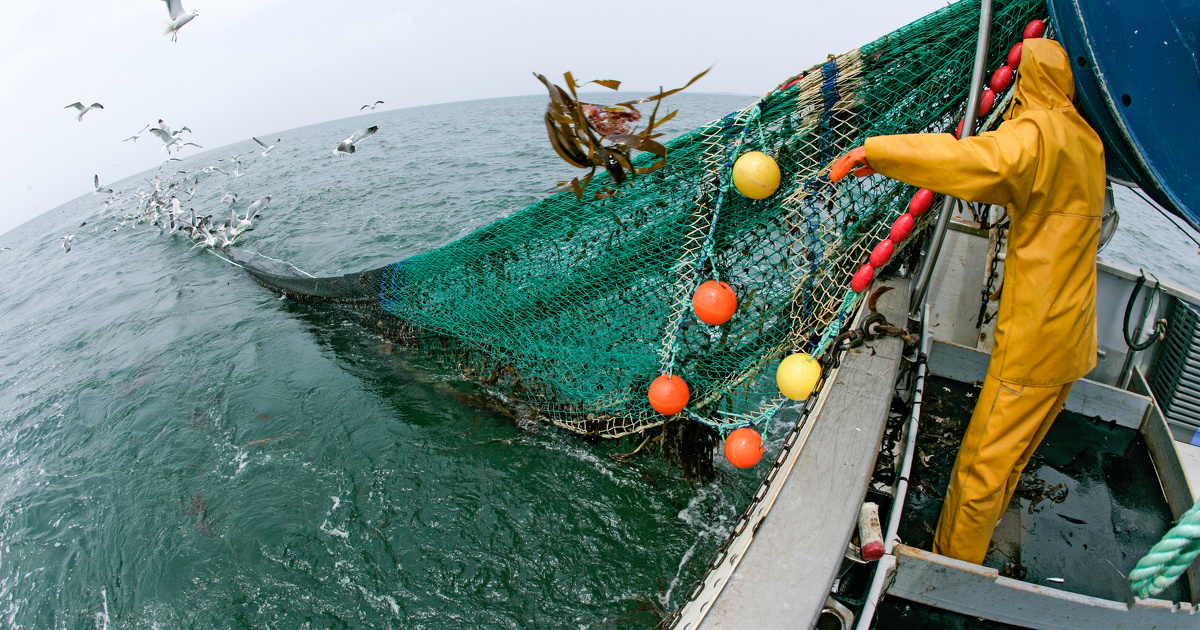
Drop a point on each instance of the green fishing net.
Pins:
(576, 305)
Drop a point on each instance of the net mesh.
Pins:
(577, 305)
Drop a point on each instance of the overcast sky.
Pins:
(255, 67)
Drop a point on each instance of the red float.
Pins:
(1014, 55)
(1001, 79)
(901, 228)
(958, 134)
(882, 253)
(987, 100)
(921, 200)
(744, 447)
(1034, 30)
(714, 302)
(669, 394)
(862, 278)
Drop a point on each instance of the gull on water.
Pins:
(347, 146)
(377, 104)
(99, 189)
(266, 149)
(230, 197)
(83, 110)
(178, 18)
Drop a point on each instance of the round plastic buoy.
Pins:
(1014, 56)
(756, 175)
(958, 133)
(987, 100)
(921, 200)
(669, 394)
(882, 253)
(797, 375)
(901, 228)
(744, 447)
(714, 302)
(1034, 30)
(1001, 79)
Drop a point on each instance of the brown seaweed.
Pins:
(591, 136)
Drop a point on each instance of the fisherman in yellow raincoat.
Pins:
(1046, 165)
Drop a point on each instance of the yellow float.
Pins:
(797, 375)
(756, 175)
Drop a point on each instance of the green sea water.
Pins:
(183, 449)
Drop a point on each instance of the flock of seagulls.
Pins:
(161, 202)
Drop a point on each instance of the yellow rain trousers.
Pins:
(1046, 165)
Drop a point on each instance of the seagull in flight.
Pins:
(99, 189)
(83, 110)
(168, 140)
(266, 149)
(137, 135)
(377, 104)
(66, 240)
(178, 18)
(347, 146)
(252, 211)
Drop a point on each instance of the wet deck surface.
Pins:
(1088, 508)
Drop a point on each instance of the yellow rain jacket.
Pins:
(1046, 165)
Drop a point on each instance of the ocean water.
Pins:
(182, 449)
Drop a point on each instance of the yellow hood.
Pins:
(1044, 78)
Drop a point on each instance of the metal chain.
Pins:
(998, 231)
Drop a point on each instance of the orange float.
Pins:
(669, 394)
(714, 302)
(744, 447)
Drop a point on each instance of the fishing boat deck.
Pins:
(1104, 486)
(1088, 506)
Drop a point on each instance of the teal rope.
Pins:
(835, 327)
(1168, 559)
